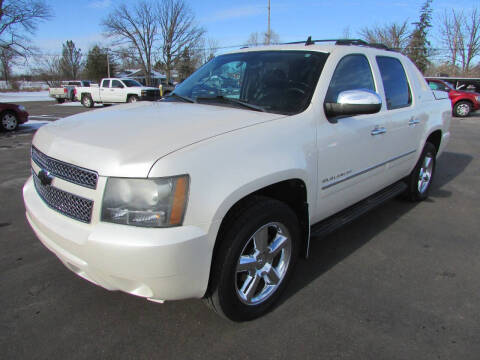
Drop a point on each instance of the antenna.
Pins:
(268, 28)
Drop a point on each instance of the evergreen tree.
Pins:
(96, 67)
(419, 47)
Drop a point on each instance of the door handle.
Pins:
(378, 131)
(413, 122)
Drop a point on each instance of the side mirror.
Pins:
(354, 102)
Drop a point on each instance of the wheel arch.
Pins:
(435, 138)
(462, 100)
(292, 192)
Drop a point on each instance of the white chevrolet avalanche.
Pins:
(214, 192)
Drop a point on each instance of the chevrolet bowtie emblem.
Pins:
(45, 177)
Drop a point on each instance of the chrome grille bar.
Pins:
(68, 204)
(65, 171)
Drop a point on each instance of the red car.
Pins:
(11, 115)
(463, 102)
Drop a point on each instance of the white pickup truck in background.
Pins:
(114, 90)
(66, 91)
(214, 192)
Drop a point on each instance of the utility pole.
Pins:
(108, 65)
(268, 29)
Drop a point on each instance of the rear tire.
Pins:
(462, 109)
(258, 248)
(60, 101)
(87, 101)
(420, 180)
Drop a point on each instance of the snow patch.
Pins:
(77, 103)
(15, 97)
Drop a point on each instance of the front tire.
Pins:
(259, 247)
(462, 109)
(132, 99)
(8, 121)
(420, 180)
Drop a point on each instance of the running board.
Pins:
(351, 213)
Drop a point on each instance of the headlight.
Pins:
(477, 98)
(21, 108)
(145, 202)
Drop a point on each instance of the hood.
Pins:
(126, 140)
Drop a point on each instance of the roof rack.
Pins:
(358, 42)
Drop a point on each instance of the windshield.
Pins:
(131, 83)
(275, 81)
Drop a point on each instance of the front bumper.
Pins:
(22, 117)
(160, 264)
(150, 97)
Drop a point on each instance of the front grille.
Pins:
(151, 95)
(68, 204)
(68, 172)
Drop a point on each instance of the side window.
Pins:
(117, 84)
(106, 83)
(433, 85)
(397, 90)
(353, 72)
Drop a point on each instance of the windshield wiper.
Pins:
(233, 101)
(181, 97)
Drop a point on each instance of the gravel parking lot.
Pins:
(402, 282)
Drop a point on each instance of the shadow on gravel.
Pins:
(327, 252)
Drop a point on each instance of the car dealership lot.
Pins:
(401, 282)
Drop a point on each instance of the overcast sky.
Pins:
(231, 22)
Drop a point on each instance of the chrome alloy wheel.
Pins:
(425, 174)
(463, 109)
(263, 263)
(9, 121)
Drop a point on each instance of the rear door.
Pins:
(105, 95)
(405, 123)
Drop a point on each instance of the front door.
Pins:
(117, 91)
(351, 150)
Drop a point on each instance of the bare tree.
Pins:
(126, 57)
(179, 32)
(461, 36)
(71, 61)
(207, 49)
(136, 27)
(18, 19)
(266, 38)
(254, 39)
(8, 58)
(394, 35)
(49, 70)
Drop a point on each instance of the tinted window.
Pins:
(397, 90)
(438, 86)
(352, 73)
(105, 83)
(273, 81)
(131, 83)
(117, 84)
